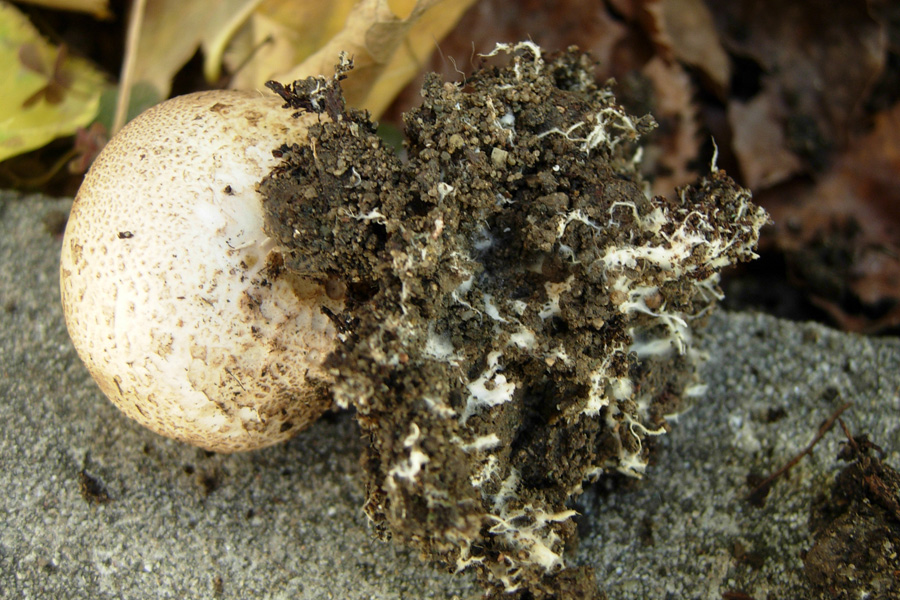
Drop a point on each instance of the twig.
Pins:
(850, 439)
(758, 496)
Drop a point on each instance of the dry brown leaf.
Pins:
(678, 140)
(819, 59)
(387, 49)
(759, 142)
(629, 9)
(685, 30)
(853, 214)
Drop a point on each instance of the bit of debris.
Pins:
(758, 496)
(856, 529)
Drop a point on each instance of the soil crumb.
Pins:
(856, 530)
(518, 309)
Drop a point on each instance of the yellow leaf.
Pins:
(422, 37)
(46, 93)
(173, 30)
(259, 40)
(389, 41)
(279, 35)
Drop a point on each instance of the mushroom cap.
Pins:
(173, 294)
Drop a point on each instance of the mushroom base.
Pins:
(518, 311)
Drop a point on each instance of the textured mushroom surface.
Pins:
(174, 296)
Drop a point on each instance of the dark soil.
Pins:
(856, 530)
(518, 312)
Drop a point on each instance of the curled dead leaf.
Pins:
(759, 142)
(677, 141)
(684, 30)
(819, 59)
(846, 231)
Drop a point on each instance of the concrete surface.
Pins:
(93, 506)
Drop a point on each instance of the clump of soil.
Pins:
(856, 530)
(518, 311)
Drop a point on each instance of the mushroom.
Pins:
(174, 296)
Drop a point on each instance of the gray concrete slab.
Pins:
(93, 506)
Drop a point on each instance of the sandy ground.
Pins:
(93, 506)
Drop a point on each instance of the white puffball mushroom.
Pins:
(173, 294)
